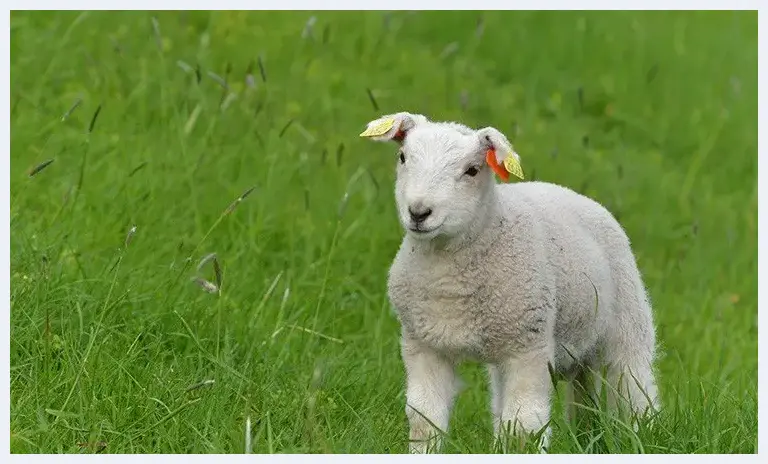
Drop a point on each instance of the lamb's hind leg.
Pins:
(628, 357)
(630, 384)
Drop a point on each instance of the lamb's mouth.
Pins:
(420, 231)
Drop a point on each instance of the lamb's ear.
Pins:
(392, 127)
(499, 153)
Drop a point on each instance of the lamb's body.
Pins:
(551, 279)
(518, 276)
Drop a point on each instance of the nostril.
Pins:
(419, 215)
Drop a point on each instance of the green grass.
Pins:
(652, 114)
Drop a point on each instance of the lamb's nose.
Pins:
(419, 215)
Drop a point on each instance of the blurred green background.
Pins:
(162, 120)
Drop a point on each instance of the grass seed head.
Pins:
(308, 27)
(342, 206)
(449, 50)
(185, 67)
(217, 272)
(205, 285)
(71, 109)
(228, 100)
(237, 201)
(129, 236)
(464, 100)
(205, 260)
(199, 385)
(156, 30)
(480, 28)
(250, 81)
(219, 80)
(34, 171)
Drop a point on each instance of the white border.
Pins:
(303, 4)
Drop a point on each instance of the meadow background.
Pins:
(163, 120)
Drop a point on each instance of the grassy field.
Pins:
(162, 121)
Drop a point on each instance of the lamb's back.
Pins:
(562, 207)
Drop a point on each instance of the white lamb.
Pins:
(516, 276)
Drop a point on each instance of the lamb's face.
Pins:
(442, 180)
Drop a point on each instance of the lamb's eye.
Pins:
(471, 172)
(402, 158)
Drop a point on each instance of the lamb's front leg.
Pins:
(525, 388)
(431, 388)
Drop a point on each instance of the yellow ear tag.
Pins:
(513, 166)
(380, 128)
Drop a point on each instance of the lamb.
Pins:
(523, 277)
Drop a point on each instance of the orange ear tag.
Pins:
(490, 158)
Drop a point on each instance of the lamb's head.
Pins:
(445, 180)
